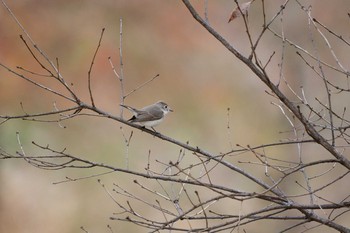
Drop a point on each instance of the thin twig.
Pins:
(91, 65)
(121, 68)
(142, 85)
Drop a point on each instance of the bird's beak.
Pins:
(171, 110)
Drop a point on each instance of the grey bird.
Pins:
(149, 116)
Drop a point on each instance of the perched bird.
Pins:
(149, 116)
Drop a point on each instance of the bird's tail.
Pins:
(128, 107)
(133, 110)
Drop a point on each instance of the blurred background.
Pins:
(199, 79)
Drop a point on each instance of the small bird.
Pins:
(150, 115)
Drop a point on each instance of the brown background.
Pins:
(199, 79)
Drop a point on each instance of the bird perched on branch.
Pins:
(149, 116)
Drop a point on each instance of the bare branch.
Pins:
(185, 187)
(91, 65)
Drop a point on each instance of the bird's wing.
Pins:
(155, 112)
(147, 116)
(147, 113)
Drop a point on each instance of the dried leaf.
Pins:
(236, 12)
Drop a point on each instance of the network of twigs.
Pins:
(196, 206)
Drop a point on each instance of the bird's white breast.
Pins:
(151, 123)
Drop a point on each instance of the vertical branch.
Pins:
(245, 19)
(90, 69)
(323, 76)
(127, 142)
(266, 25)
(206, 18)
(121, 76)
(264, 12)
(228, 127)
(281, 76)
(203, 209)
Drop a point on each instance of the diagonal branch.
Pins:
(295, 109)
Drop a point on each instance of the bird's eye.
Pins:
(166, 106)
